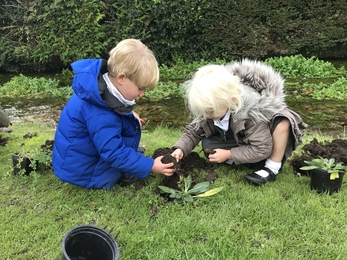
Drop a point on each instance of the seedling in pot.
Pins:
(325, 164)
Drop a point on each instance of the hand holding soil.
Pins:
(191, 164)
(163, 168)
(178, 154)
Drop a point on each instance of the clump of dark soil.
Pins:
(30, 135)
(191, 164)
(48, 146)
(336, 149)
(3, 140)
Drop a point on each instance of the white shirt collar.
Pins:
(114, 91)
(224, 122)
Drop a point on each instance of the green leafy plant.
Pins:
(187, 194)
(26, 86)
(337, 90)
(325, 164)
(298, 65)
(182, 70)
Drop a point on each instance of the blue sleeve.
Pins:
(107, 132)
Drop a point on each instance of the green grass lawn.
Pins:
(281, 220)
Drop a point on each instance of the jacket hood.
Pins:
(263, 90)
(89, 85)
(85, 81)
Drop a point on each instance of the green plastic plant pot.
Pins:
(89, 243)
(320, 181)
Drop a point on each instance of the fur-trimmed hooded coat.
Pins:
(263, 101)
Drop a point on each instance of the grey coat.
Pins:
(263, 101)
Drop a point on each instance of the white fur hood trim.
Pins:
(263, 90)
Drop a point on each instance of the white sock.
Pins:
(273, 166)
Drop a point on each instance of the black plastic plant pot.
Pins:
(88, 242)
(320, 181)
(20, 163)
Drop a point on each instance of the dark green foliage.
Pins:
(174, 31)
(39, 35)
(48, 35)
(167, 27)
(262, 29)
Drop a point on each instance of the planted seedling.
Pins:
(186, 193)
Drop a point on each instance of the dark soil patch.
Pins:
(48, 146)
(191, 164)
(335, 149)
(30, 135)
(3, 140)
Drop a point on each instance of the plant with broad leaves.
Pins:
(187, 194)
(325, 164)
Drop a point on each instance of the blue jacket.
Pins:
(97, 137)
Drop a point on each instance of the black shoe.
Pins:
(258, 180)
(127, 180)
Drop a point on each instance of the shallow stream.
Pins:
(326, 117)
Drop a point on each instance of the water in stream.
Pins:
(322, 116)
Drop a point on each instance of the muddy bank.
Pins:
(325, 118)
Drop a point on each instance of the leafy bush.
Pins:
(164, 91)
(183, 70)
(298, 65)
(40, 35)
(337, 90)
(32, 86)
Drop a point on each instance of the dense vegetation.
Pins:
(41, 35)
(173, 77)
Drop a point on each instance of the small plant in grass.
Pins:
(187, 194)
(325, 164)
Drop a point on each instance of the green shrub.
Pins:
(34, 87)
(164, 91)
(299, 66)
(182, 70)
(337, 90)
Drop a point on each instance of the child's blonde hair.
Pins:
(139, 64)
(212, 88)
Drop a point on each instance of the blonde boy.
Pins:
(98, 134)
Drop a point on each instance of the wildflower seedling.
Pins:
(325, 164)
(187, 194)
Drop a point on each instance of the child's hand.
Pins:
(219, 155)
(178, 154)
(161, 168)
(141, 121)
